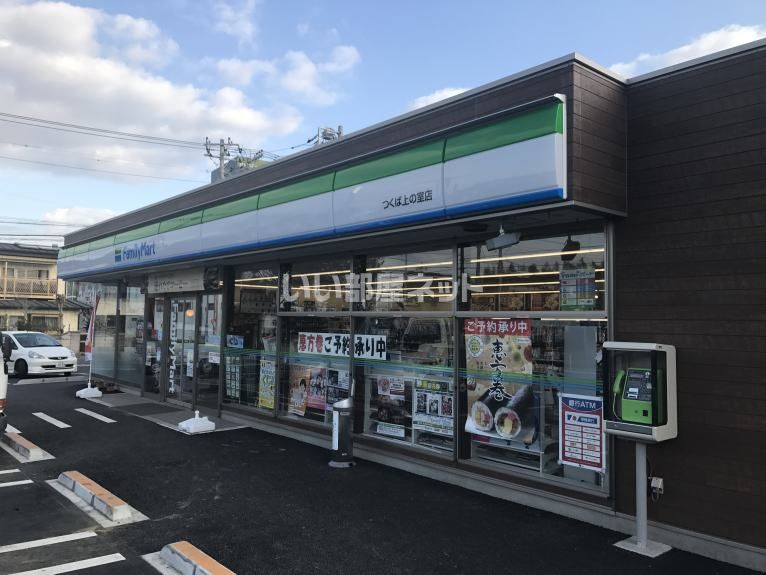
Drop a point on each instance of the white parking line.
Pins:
(95, 415)
(13, 483)
(10, 429)
(51, 420)
(74, 566)
(6, 471)
(47, 541)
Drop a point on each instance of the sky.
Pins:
(268, 73)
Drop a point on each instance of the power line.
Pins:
(102, 130)
(81, 154)
(137, 140)
(40, 223)
(32, 235)
(101, 171)
(129, 137)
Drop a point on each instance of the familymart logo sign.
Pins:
(135, 253)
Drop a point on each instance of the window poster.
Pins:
(339, 345)
(391, 413)
(337, 386)
(578, 290)
(434, 407)
(300, 377)
(499, 372)
(266, 384)
(317, 388)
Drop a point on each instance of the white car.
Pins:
(35, 352)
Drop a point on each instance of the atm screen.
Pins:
(638, 385)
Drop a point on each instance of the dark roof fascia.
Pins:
(249, 182)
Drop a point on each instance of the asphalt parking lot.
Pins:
(260, 503)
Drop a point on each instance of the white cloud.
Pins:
(79, 216)
(302, 29)
(237, 21)
(241, 72)
(707, 43)
(434, 97)
(139, 41)
(309, 80)
(342, 59)
(73, 64)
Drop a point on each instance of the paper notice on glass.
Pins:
(266, 384)
(390, 429)
(434, 407)
(577, 289)
(300, 376)
(317, 388)
(337, 386)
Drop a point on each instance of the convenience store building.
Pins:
(629, 210)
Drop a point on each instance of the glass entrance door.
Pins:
(155, 317)
(209, 350)
(181, 360)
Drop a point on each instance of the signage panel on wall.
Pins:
(178, 281)
(578, 290)
(581, 432)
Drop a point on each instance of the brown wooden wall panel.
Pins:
(694, 86)
(597, 129)
(691, 272)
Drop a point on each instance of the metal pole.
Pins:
(221, 154)
(641, 536)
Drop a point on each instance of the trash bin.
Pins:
(342, 433)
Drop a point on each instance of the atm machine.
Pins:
(641, 405)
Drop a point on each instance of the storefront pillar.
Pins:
(227, 301)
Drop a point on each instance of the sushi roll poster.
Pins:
(499, 370)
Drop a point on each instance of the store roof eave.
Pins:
(138, 216)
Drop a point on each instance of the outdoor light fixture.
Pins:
(570, 250)
(504, 240)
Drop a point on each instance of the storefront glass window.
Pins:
(406, 368)
(408, 282)
(317, 285)
(561, 273)
(314, 366)
(130, 341)
(514, 371)
(106, 331)
(251, 341)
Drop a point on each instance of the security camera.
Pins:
(503, 240)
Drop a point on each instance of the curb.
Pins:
(25, 448)
(109, 505)
(188, 560)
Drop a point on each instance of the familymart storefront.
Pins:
(451, 286)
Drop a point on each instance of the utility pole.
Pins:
(223, 152)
